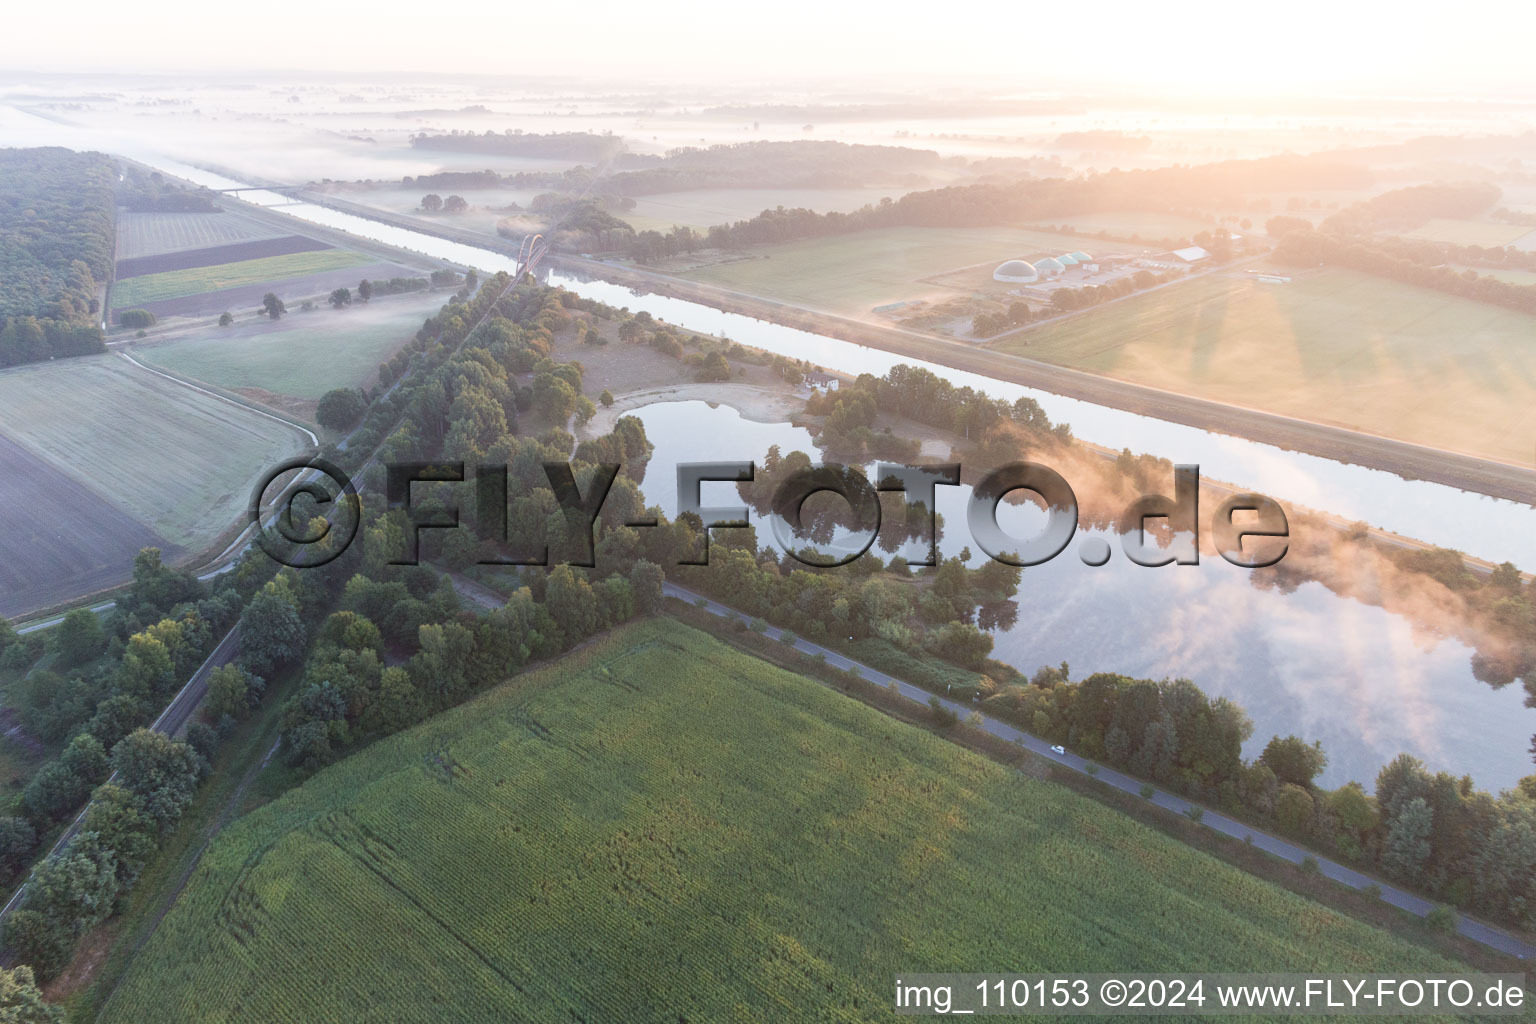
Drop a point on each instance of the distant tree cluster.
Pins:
(56, 244)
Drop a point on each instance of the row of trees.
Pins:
(1309, 248)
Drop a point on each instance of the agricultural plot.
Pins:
(176, 461)
(61, 538)
(661, 828)
(151, 234)
(303, 355)
(851, 274)
(188, 259)
(175, 284)
(1336, 347)
(1489, 234)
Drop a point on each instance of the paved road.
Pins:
(1486, 934)
(171, 722)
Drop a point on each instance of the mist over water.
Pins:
(1366, 682)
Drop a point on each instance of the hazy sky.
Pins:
(1308, 46)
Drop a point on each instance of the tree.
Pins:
(226, 318)
(714, 368)
(136, 318)
(162, 772)
(606, 398)
(273, 305)
(1407, 846)
(341, 297)
(455, 204)
(41, 942)
(646, 579)
(79, 638)
(432, 202)
(271, 632)
(17, 838)
(340, 408)
(21, 1001)
(1293, 809)
(227, 692)
(364, 290)
(1293, 760)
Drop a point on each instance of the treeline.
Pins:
(761, 164)
(1222, 184)
(108, 681)
(56, 244)
(144, 191)
(1304, 247)
(1432, 832)
(554, 145)
(1404, 209)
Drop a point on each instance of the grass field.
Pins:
(1489, 234)
(303, 355)
(180, 462)
(851, 274)
(1336, 346)
(660, 828)
(136, 291)
(151, 234)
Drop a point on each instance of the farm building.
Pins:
(1049, 267)
(822, 382)
(1015, 272)
(1190, 254)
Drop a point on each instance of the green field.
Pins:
(303, 355)
(1335, 346)
(661, 828)
(179, 461)
(174, 284)
(851, 274)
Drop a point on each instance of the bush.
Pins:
(136, 318)
(1441, 919)
(340, 408)
(1194, 813)
(1147, 790)
(942, 716)
(1309, 865)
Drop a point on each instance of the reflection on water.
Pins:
(1304, 661)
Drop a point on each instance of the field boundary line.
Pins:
(224, 398)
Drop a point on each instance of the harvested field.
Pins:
(175, 284)
(180, 462)
(61, 539)
(657, 828)
(149, 234)
(1336, 346)
(189, 259)
(248, 297)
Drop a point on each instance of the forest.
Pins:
(56, 243)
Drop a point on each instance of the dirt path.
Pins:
(762, 405)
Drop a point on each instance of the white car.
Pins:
(1058, 749)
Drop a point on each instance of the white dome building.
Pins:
(1049, 267)
(1015, 272)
